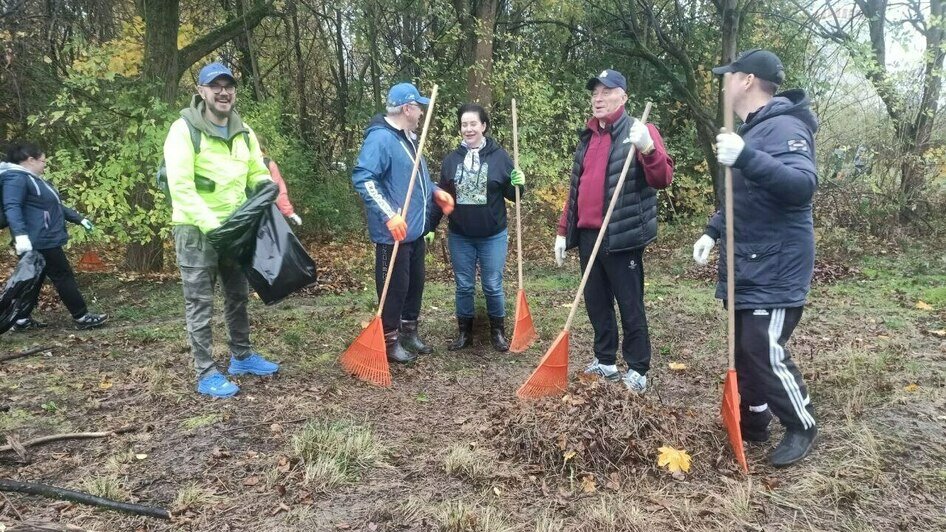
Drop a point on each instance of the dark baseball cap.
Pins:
(609, 78)
(758, 62)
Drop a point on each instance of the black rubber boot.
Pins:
(755, 425)
(464, 336)
(411, 341)
(795, 445)
(396, 353)
(497, 334)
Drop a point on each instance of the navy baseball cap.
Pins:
(609, 78)
(404, 93)
(212, 72)
(758, 62)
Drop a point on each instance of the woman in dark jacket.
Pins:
(480, 176)
(37, 220)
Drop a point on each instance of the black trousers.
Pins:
(616, 276)
(767, 373)
(407, 281)
(64, 279)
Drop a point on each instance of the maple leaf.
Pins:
(675, 461)
(922, 305)
(912, 387)
(677, 366)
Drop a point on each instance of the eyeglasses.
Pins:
(217, 89)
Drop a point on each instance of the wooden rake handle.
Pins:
(730, 244)
(407, 201)
(604, 223)
(515, 163)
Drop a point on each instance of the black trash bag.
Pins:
(236, 236)
(22, 289)
(280, 264)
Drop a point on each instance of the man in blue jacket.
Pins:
(774, 178)
(381, 176)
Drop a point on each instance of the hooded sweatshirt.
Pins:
(382, 175)
(33, 208)
(479, 181)
(228, 161)
(774, 180)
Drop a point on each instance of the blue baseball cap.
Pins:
(212, 72)
(609, 78)
(404, 93)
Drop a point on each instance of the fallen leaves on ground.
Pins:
(676, 461)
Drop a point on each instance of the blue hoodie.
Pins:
(381, 177)
(33, 208)
(774, 180)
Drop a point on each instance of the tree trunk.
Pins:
(484, 22)
(343, 97)
(305, 123)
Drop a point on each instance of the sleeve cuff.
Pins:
(711, 232)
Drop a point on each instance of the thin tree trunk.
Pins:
(481, 69)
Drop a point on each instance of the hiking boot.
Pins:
(254, 364)
(26, 324)
(795, 445)
(635, 382)
(411, 341)
(216, 385)
(395, 351)
(497, 334)
(464, 336)
(602, 371)
(90, 321)
(754, 424)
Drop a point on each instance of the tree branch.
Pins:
(192, 53)
(53, 492)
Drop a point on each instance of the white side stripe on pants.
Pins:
(776, 359)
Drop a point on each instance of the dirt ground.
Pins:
(447, 447)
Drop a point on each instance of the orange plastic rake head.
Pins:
(730, 412)
(551, 376)
(524, 332)
(366, 358)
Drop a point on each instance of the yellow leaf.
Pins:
(677, 366)
(923, 305)
(569, 455)
(675, 461)
(939, 332)
(588, 484)
(105, 384)
(912, 387)
(141, 456)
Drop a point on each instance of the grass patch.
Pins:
(458, 516)
(197, 422)
(192, 497)
(470, 462)
(107, 486)
(334, 452)
(15, 418)
(608, 514)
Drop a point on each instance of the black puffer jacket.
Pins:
(633, 224)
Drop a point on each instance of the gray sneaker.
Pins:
(635, 382)
(595, 368)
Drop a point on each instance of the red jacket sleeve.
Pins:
(658, 165)
(563, 220)
(282, 200)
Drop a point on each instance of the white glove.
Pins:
(560, 250)
(294, 218)
(702, 248)
(640, 136)
(86, 224)
(728, 148)
(22, 244)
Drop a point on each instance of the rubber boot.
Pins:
(395, 352)
(410, 339)
(464, 336)
(497, 334)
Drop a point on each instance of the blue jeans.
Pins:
(490, 253)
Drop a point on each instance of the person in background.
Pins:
(282, 200)
(37, 219)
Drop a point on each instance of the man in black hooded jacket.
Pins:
(774, 178)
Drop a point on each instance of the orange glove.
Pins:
(444, 201)
(398, 227)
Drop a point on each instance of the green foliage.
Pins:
(104, 136)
